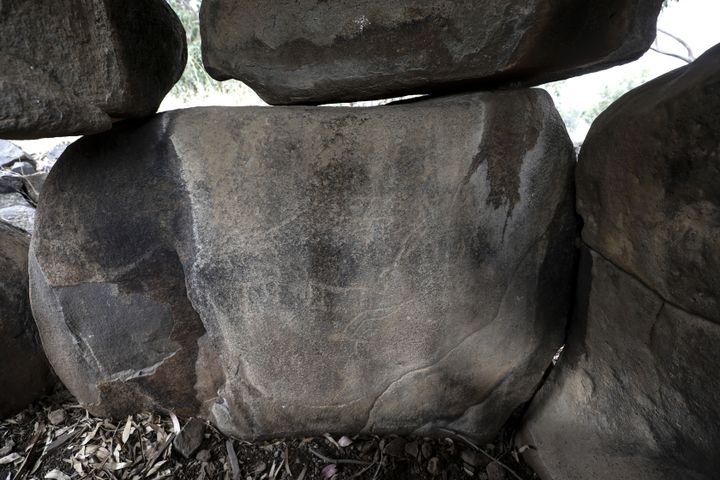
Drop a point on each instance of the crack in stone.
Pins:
(130, 374)
(651, 289)
(519, 264)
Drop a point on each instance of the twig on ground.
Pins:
(476, 447)
(338, 460)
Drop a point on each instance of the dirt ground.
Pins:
(57, 439)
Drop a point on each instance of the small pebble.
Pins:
(56, 417)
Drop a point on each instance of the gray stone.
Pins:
(23, 168)
(648, 185)
(319, 51)
(69, 67)
(636, 391)
(293, 271)
(190, 437)
(11, 153)
(25, 375)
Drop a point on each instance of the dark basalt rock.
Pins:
(290, 271)
(70, 67)
(319, 51)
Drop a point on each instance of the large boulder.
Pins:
(637, 394)
(302, 270)
(25, 374)
(69, 67)
(648, 185)
(319, 51)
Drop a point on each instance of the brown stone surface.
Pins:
(303, 270)
(318, 51)
(648, 185)
(69, 67)
(637, 394)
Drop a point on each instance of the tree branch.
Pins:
(680, 41)
(670, 54)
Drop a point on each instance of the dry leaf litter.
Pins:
(58, 439)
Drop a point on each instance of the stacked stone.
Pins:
(297, 270)
(636, 395)
(25, 374)
(66, 68)
(404, 268)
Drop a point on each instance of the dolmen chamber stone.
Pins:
(319, 51)
(70, 67)
(25, 375)
(300, 270)
(636, 393)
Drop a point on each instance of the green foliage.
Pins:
(195, 82)
(578, 120)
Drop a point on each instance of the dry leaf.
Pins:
(126, 430)
(175, 422)
(329, 471)
(11, 458)
(57, 475)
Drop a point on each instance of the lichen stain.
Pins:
(514, 132)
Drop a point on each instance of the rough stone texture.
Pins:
(70, 66)
(303, 270)
(648, 185)
(316, 51)
(190, 437)
(25, 374)
(637, 394)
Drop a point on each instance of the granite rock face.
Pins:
(315, 51)
(25, 374)
(637, 394)
(302, 270)
(648, 185)
(70, 67)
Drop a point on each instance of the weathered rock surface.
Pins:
(299, 270)
(637, 394)
(315, 51)
(648, 183)
(69, 67)
(25, 374)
